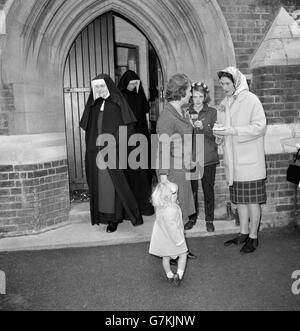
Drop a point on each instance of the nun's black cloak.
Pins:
(138, 103)
(111, 197)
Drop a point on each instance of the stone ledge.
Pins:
(32, 149)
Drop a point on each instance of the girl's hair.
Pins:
(225, 74)
(162, 194)
(177, 87)
(202, 88)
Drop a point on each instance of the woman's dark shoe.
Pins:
(189, 225)
(210, 227)
(112, 227)
(250, 246)
(240, 239)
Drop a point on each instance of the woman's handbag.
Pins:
(293, 171)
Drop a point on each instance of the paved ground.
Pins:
(126, 278)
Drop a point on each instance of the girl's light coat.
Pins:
(168, 232)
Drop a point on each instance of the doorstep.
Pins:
(80, 233)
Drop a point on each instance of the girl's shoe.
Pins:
(170, 280)
(250, 246)
(177, 280)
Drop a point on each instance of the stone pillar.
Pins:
(6, 100)
(34, 184)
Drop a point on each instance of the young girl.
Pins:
(168, 239)
(204, 118)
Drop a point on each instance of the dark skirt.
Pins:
(244, 193)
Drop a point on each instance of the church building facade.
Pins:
(51, 49)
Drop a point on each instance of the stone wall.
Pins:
(248, 22)
(6, 108)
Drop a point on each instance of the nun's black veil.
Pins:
(116, 96)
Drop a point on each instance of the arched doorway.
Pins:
(109, 44)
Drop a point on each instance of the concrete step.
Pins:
(80, 233)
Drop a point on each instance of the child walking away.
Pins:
(168, 239)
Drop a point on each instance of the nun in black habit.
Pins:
(131, 87)
(111, 197)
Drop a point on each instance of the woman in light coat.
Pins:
(244, 126)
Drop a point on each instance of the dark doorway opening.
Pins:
(110, 44)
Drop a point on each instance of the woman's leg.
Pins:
(244, 218)
(244, 227)
(255, 216)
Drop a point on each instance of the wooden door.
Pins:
(91, 54)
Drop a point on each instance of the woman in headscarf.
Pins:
(241, 129)
(111, 197)
(132, 88)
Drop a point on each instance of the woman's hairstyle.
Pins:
(202, 88)
(177, 87)
(225, 74)
(162, 194)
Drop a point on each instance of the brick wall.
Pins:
(33, 197)
(278, 88)
(248, 22)
(6, 106)
(281, 194)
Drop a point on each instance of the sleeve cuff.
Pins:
(179, 244)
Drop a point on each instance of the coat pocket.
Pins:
(246, 153)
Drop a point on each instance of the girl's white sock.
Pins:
(180, 273)
(170, 275)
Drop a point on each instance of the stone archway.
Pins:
(189, 36)
(38, 44)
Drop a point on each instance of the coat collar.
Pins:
(174, 112)
(239, 98)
